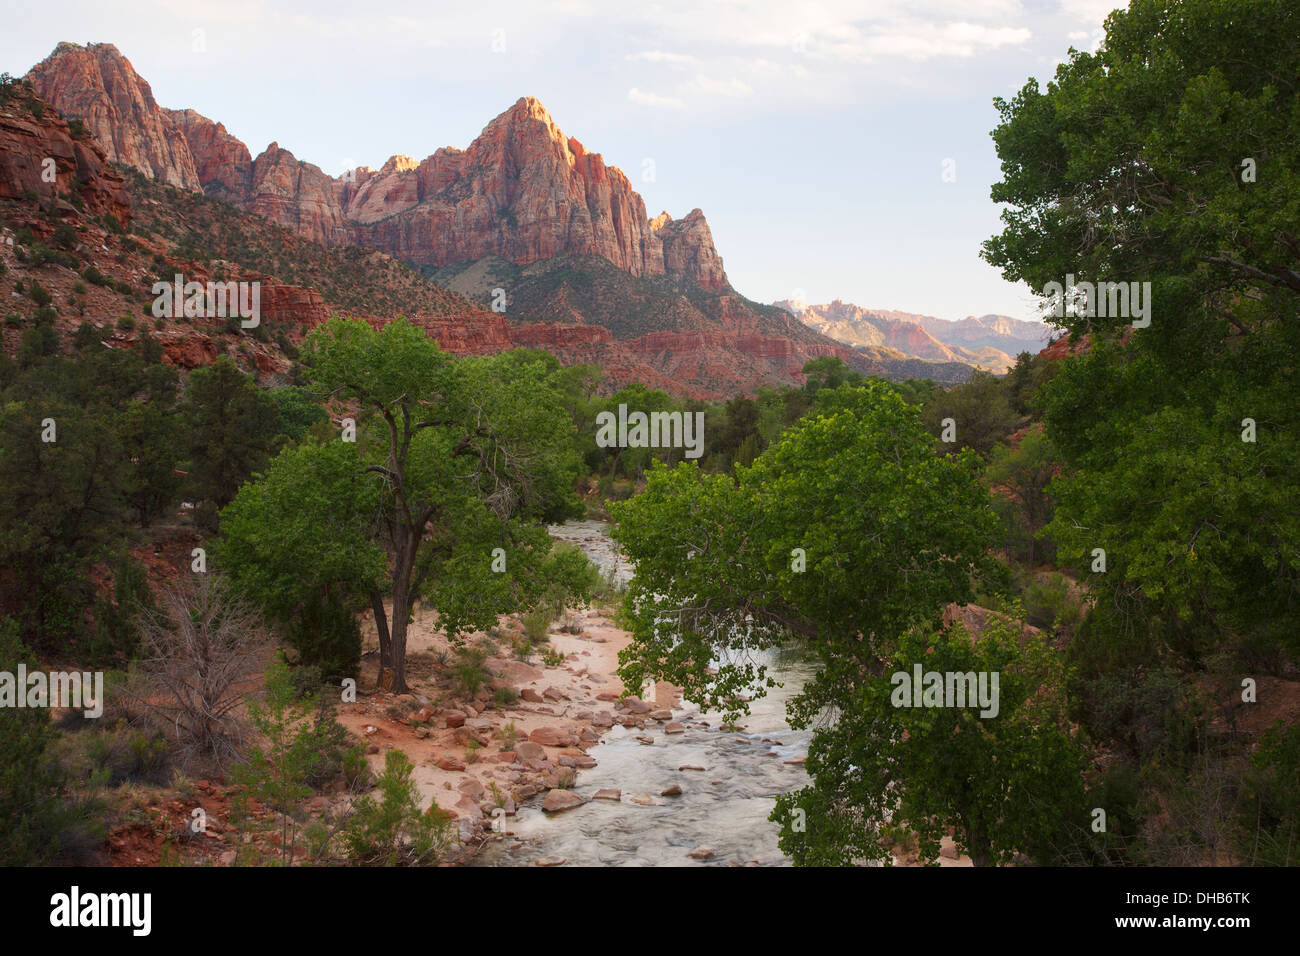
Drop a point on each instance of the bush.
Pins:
(537, 623)
(391, 831)
(126, 322)
(504, 695)
(39, 294)
(1049, 604)
(470, 674)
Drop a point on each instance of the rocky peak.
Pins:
(98, 85)
(523, 190)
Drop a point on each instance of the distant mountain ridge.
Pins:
(989, 342)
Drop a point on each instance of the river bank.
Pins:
(549, 764)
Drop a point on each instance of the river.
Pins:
(724, 806)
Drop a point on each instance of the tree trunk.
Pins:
(403, 566)
(381, 627)
(981, 852)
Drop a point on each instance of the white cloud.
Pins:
(714, 87)
(654, 99)
(918, 40)
(1090, 11)
(660, 56)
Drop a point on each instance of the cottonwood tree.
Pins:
(1169, 156)
(846, 533)
(462, 457)
(1005, 781)
(298, 543)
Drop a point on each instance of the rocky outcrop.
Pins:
(222, 162)
(298, 195)
(80, 165)
(98, 85)
(525, 192)
(688, 249)
(553, 335)
(293, 305)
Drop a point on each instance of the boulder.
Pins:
(556, 801)
(527, 750)
(553, 737)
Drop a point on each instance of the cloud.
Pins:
(660, 56)
(714, 87)
(1090, 11)
(916, 40)
(654, 99)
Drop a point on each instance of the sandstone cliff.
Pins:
(80, 165)
(98, 85)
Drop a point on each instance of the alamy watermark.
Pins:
(946, 689)
(55, 689)
(75, 909)
(1124, 300)
(215, 300)
(655, 430)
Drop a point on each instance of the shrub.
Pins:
(470, 674)
(504, 695)
(1048, 603)
(391, 831)
(537, 624)
(39, 294)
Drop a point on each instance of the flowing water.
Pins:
(723, 806)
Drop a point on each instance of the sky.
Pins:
(838, 149)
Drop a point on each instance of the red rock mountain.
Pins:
(522, 170)
(522, 194)
(97, 85)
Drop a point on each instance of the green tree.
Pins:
(31, 785)
(467, 456)
(845, 534)
(1003, 781)
(231, 427)
(1025, 472)
(276, 774)
(298, 543)
(1130, 167)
